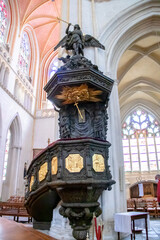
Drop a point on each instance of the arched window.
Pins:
(4, 20)
(8, 140)
(141, 142)
(53, 68)
(24, 55)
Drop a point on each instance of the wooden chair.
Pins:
(152, 207)
(141, 205)
(130, 205)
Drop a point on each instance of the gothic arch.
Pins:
(9, 185)
(16, 128)
(148, 107)
(133, 23)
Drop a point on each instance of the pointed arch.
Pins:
(11, 163)
(24, 59)
(139, 103)
(141, 141)
(16, 128)
(140, 19)
(34, 52)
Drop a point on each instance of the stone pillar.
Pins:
(115, 200)
(14, 180)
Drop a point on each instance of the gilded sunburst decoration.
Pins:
(77, 94)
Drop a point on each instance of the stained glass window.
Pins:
(6, 155)
(24, 55)
(53, 67)
(3, 20)
(141, 142)
(52, 70)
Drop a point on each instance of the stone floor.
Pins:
(153, 232)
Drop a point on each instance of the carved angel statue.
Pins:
(76, 41)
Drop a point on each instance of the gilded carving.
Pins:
(54, 165)
(31, 182)
(74, 162)
(79, 94)
(98, 163)
(42, 172)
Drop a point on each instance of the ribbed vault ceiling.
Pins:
(42, 16)
(139, 72)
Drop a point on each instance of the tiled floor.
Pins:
(153, 232)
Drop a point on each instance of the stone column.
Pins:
(14, 163)
(115, 200)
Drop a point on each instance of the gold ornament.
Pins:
(74, 163)
(42, 172)
(54, 165)
(77, 94)
(31, 182)
(98, 163)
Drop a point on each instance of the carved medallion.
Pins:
(98, 163)
(54, 165)
(74, 163)
(31, 182)
(42, 172)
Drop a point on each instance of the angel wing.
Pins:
(62, 43)
(90, 41)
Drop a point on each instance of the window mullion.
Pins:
(138, 151)
(130, 153)
(147, 153)
(156, 151)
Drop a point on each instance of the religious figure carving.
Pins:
(64, 124)
(76, 41)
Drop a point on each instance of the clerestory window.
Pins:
(4, 20)
(24, 55)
